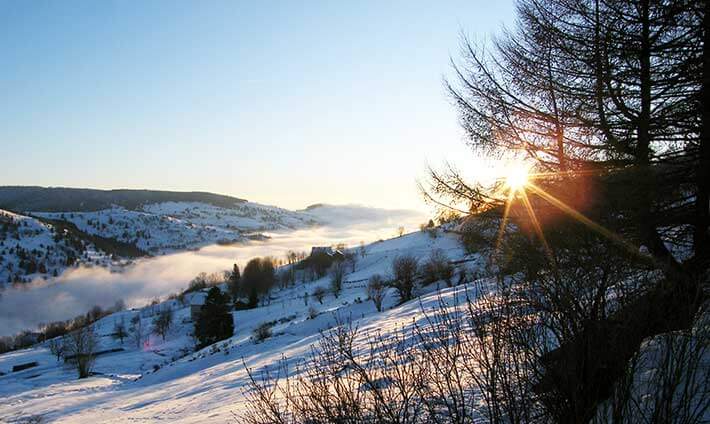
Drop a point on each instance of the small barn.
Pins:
(315, 250)
(335, 254)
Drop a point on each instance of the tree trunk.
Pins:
(701, 240)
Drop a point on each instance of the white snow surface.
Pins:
(173, 226)
(207, 386)
(42, 245)
(158, 228)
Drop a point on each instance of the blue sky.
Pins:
(287, 103)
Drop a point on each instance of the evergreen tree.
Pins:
(233, 281)
(214, 322)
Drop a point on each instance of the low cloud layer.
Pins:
(78, 289)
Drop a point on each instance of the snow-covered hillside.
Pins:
(150, 383)
(114, 235)
(30, 248)
(171, 226)
(149, 232)
(243, 217)
(159, 379)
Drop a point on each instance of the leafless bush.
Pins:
(502, 340)
(56, 347)
(79, 349)
(538, 343)
(404, 271)
(433, 371)
(119, 331)
(337, 275)
(437, 267)
(163, 322)
(136, 331)
(351, 258)
(262, 332)
(340, 384)
(587, 297)
(362, 250)
(376, 289)
(319, 293)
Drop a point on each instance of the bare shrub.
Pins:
(362, 250)
(437, 267)
(136, 331)
(538, 343)
(79, 349)
(319, 293)
(262, 331)
(474, 358)
(119, 331)
(337, 275)
(337, 384)
(429, 372)
(376, 289)
(404, 271)
(56, 347)
(351, 258)
(500, 341)
(587, 297)
(163, 322)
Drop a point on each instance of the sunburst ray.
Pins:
(504, 221)
(581, 218)
(537, 227)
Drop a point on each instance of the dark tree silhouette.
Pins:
(258, 279)
(214, 323)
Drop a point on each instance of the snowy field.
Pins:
(157, 383)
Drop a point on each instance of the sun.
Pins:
(516, 177)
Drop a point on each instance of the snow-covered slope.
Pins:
(149, 232)
(171, 226)
(206, 386)
(30, 248)
(243, 217)
(117, 235)
(38, 244)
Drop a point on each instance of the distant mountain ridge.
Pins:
(65, 199)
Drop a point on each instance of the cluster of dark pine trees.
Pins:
(214, 322)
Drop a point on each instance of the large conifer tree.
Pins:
(214, 322)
